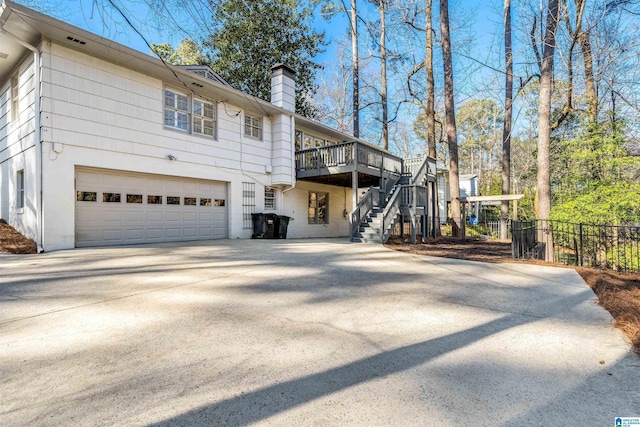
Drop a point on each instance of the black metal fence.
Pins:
(602, 246)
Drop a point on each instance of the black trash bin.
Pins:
(258, 226)
(283, 224)
(270, 226)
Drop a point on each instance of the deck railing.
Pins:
(346, 153)
(370, 199)
(414, 196)
(389, 215)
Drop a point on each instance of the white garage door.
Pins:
(120, 208)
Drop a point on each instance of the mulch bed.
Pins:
(13, 242)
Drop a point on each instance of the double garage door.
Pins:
(120, 208)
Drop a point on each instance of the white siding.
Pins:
(17, 152)
(297, 201)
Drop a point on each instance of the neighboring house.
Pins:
(468, 187)
(103, 145)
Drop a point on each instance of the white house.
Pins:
(103, 145)
(468, 187)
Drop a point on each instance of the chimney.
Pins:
(283, 87)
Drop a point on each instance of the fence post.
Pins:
(581, 248)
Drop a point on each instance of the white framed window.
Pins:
(253, 126)
(20, 189)
(15, 98)
(269, 198)
(204, 117)
(176, 110)
(318, 208)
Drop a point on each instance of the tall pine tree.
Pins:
(252, 36)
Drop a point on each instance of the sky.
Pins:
(480, 20)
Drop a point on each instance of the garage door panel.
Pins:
(128, 221)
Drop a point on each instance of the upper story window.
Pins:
(253, 126)
(204, 117)
(176, 110)
(15, 101)
(189, 114)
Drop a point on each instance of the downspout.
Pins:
(292, 125)
(37, 102)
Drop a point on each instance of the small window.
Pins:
(205, 202)
(219, 203)
(190, 201)
(204, 118)
(15, 97)
(20, 189)
(269, 198)
(134, 198)
(154, 200)
(111, 197)
(253, 126)
(318, 208)
(298, 140)
(173, 200)
(86, 196)
(176, 110)
(308, 142)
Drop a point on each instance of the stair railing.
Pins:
(421, 173)
(364, 206)
(389, 214)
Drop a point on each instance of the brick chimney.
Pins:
(283, 87)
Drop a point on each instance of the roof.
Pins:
(21, 26)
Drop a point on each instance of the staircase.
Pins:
(380, 209)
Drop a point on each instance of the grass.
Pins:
(617, 293)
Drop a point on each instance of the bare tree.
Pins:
(356, 70)
(506, 127)
(544, 117)
(450, 115)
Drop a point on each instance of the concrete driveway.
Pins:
(303, 332)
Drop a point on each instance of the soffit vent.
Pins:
(75, 40)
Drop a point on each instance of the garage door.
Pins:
(120, 208)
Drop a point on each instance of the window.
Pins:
(318, 208)
(20, 189)
(248, 203)
(205, 202)
(298, 140)
(134, 198)
(253, 126)
(269, 198)
(111, 197)
(176, 110)
(15, 101)
(219, 203)
(86, 196)
(173, 200)
(204, 118)
(189, 201)
(188, 114)
(154, 200)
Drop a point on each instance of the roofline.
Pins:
(117, 53)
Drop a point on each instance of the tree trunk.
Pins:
(431, 97)
(590, 82)
(544, 118)
(431, 114)
(383, 76)
(356, 68)
(506, 128)
(449, 105)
